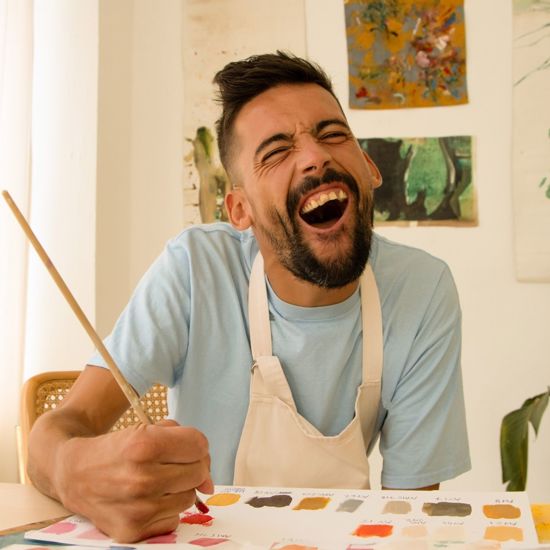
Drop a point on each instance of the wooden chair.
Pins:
(45, 391)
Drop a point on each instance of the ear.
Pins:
(238, 209)
(375, 173)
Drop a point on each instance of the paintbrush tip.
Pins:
(201, 506)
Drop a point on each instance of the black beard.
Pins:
(296, 255)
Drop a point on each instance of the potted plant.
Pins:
(514, 440)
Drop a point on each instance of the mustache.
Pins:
(310, 183)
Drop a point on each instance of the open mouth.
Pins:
(323, 210)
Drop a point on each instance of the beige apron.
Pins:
(278, 446)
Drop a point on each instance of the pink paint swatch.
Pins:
(169, 538)
(60, 528)
(206, 542)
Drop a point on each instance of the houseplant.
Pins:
(514, 440)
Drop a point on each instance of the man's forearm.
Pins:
(50, 433)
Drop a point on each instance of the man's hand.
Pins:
(134, 483)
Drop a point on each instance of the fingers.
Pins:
(167, 444)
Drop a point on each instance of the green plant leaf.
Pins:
(537, 406)
(514, 440)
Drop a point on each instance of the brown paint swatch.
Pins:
(275, 501)
(312, 503)
(397, 507)
(501, 511)
(503, 533)
(454, 509)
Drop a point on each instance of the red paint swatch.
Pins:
(197, 519)
(375, 530)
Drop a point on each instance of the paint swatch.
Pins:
(349, 505)
(312, 503)
(206, 542)
(501, 511)
(453, 509)
(373, 530)
(196, 519)
(415, 531)
(223, 499)
(503, 533)
(397, 507)
(450, 533)
(275, 501)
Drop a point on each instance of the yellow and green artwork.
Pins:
(406, 53)
(424, 180)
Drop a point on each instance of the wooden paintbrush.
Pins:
(126, 388)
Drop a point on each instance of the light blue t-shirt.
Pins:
(186, 326)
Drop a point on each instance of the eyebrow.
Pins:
(288, 137)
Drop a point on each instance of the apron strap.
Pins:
(371, 316)
(258, 311)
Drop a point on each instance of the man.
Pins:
(286, 353)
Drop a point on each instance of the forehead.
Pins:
(285, 108)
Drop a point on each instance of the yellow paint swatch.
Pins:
(503, 533)
(541, 516)
(501, 511)
(312, 503)
(223, 499)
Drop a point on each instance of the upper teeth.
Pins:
(322, 199)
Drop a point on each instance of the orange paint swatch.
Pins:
(503, 533)
(374, 530)
(223, 499)
(312, 503)
(501, 511)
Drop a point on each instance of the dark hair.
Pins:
(241, 81)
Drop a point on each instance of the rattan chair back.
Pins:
(45, 392)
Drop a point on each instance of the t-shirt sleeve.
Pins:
(424, 439)
(149, 340)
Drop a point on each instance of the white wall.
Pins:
(64, 134)
(505, 323)
(140, 144)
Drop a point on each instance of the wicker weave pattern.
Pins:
(50, 394)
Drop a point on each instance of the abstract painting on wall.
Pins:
(531, 139)
(406, 53)
(427, 180)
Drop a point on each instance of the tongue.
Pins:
(324, 225)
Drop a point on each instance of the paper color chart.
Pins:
(314, 519)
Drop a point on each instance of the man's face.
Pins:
(305, 184)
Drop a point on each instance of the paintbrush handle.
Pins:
(128, 391)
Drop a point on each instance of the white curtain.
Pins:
(15, 130)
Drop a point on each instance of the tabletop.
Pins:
(23, 504)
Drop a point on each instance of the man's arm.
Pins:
(132, 483)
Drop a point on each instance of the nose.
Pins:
(314, 157)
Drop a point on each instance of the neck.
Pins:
(298, 292)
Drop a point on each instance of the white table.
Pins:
(23, 504)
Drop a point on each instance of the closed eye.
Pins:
(334, 137)
(274, 152)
